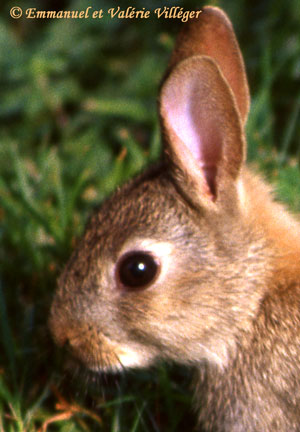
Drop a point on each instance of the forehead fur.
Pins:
(145, 206)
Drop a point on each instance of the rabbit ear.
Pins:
(212, 34)
(202, 128)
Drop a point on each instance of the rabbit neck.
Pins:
(258, 389)
(280, 230)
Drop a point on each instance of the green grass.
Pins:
(78, 118)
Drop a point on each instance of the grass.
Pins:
(77, 119)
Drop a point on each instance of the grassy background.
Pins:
(77, 115)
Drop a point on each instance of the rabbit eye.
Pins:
(137, 270)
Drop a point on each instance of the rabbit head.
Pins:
(172, 265)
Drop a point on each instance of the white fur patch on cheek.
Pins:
(131, 358)
(241, 194)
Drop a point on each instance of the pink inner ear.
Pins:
(196, 125)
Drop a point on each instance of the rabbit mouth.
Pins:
(101, 354)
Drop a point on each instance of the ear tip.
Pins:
(212, 15)
(213, 10)
(217, 14)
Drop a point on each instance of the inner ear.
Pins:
(202, 123)
(196, 128)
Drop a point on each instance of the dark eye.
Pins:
(137, 270)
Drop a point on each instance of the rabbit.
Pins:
(193, 261)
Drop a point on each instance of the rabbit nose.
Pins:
(59, 330)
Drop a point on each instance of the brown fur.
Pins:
(227, 298)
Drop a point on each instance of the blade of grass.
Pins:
(25, 192)
(7, 338)
(60, 194)
(138, 418)
(155, 143)
(132, 109)
(290, 130)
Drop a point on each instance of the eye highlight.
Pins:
(137, 270)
